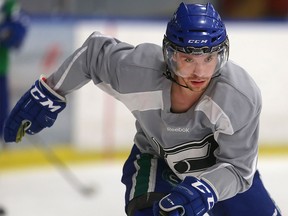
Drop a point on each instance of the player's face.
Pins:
(195, 71)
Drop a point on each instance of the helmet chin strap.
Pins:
(169, 76)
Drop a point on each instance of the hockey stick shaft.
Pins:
(63, 169)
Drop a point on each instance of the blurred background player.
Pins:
(13, 24)
(12, 32)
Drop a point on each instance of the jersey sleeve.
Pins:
(97, 59)
(115, 67)
(236, 131)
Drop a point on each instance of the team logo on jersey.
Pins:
(190, 157)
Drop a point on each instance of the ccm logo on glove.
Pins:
(37, 109)
(43, 99)
(204, 189)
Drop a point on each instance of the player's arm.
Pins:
(37, 109)
(236, 132)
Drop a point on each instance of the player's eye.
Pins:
(210, 58)
(188, 60)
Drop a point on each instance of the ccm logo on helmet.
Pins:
(197, 41)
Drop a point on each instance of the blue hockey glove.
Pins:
(146, 212)
(159, 212)
(37, 109)
(190, 198)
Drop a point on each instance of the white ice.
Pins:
(43, 191)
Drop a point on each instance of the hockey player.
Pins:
(197, 117)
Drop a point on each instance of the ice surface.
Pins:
(43, 191)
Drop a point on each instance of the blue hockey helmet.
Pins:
(196, 29)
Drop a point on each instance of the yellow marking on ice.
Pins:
(35, 157)
(20, 158)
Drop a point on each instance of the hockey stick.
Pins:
(64, 170)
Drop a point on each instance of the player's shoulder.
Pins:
(145, 59)
(239, 83)
(128, 56)
(236, 93)
(146, 55)
(143, 66)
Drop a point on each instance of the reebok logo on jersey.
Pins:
(178, 129)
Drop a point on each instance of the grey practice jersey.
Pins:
(216, 139)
